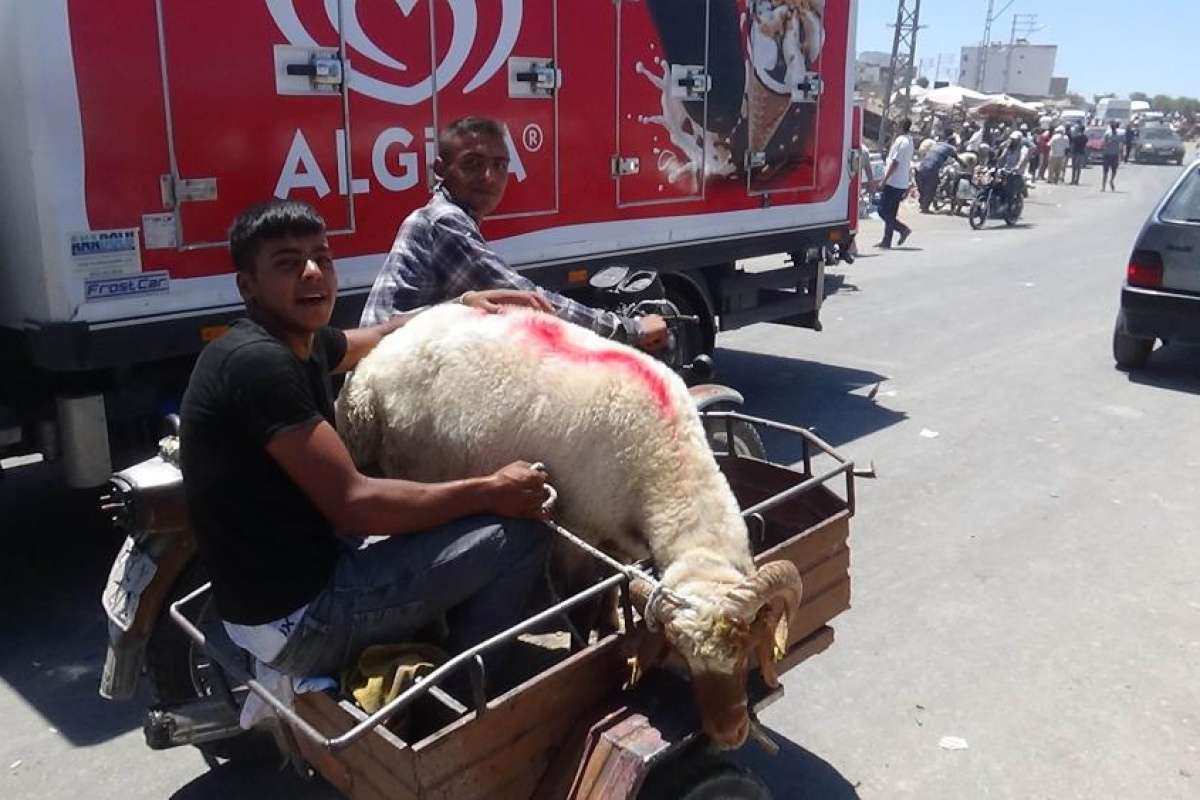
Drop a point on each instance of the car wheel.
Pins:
(1130, 352)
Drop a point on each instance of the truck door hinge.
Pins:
(808, 88)
(533, 77)
(186, 190)
(625, 166)
(689, 82)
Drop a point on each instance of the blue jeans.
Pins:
(479, 571)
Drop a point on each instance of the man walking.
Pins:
(895, 185)
(1130, 138)
(1112, 156)
(1059, 143)
(1079, 142)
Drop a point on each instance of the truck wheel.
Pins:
(690, 339)
(179, 673)
(703, 777)
(1130, 352)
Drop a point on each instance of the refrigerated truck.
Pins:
(676, 135)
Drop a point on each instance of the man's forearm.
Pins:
(383, 506)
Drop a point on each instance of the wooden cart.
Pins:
(569, 729)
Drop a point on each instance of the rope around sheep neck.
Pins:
(658, 592)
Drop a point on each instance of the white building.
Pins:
(1018, 69)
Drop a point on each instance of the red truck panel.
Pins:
(229, 122)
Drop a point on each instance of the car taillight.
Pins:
(1145, 269)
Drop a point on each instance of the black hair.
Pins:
(905, 125)
(273, 219)
(467, 126)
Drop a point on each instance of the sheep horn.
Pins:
(776, 581)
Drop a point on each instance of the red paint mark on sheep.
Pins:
(551, 335)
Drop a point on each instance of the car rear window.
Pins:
(1157, 134)
(1184, 205)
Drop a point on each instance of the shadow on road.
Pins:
(795, 772)
(1173, 366)
(807, 394)
(58, 549)
(234, 782)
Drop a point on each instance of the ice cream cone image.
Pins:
(766, 109)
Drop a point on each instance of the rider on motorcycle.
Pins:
(1012, 159)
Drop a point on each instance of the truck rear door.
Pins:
(516, 81)
(233, 96)
(662, 63)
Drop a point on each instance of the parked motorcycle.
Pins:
(955, 190)
(999, 197)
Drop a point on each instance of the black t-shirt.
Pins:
(268, 549)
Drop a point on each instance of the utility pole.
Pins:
(904, 51)
(981, 67)
(1022, 26)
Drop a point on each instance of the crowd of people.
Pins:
(1025, 154)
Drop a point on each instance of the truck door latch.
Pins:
(531, 77)
(322, 71)
(689, 82)
(808, 88)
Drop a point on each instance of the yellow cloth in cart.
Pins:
(385, 671)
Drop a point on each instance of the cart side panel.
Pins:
(549, 702)
(376, 767)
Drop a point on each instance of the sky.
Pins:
(1150, 46)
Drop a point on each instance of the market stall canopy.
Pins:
(1003, 106)
(951, 96)
(916, 93)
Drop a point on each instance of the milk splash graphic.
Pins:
(704, 153)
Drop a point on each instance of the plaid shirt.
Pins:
(439, 254)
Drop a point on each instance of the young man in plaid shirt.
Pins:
(440, 255)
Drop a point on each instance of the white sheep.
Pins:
(459, 392)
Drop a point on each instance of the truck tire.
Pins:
(176, 669)
(703, 777)
(1130, 352)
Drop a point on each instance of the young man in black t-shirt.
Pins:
(274, 495)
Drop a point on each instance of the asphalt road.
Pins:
(1023, 571)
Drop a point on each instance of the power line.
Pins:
(985, 43)
(904, 51)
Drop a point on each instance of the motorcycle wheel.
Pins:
(1013, 213)
(977, 216)
(179, 673)
(746, 441)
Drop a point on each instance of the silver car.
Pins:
(1161, 295)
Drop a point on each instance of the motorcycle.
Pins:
(954, 190)
(999, 197)
(194, 700)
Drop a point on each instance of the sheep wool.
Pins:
(460, 392)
